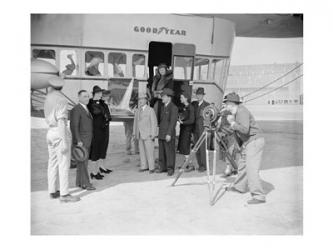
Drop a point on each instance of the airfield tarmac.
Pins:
(127, 202)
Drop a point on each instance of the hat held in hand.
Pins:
(79, 153)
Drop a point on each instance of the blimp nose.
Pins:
(44, 74)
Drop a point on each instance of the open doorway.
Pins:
(159, 52)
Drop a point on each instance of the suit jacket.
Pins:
(169, 116)
(145, 123)
(81, 125)
(199, 125)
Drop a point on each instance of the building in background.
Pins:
(262, 84)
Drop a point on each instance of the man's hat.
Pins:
(56, 82)
(97, 89)
(232, 97)
(168, 92)
(200, 91)
(79, 154)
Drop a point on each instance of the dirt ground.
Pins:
(129, 202)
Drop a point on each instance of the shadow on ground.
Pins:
(284, 147)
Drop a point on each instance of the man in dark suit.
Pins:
(199, 127)
(167, 134)
(82, 133)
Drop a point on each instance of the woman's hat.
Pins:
(106, 92)
(232, 97)
(97, 89)
(168, 92)
(79, 154)
(163, 65)
(200, 91)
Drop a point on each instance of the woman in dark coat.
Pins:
(186, 119)
(100, 141)
(163, 79)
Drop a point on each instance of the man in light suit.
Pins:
(145, 130)
(59, 141)
(82, 132)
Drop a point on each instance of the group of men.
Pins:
(145, 130)
(241, 121)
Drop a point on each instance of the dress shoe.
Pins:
(227, 174)
(96, 176)
(255, 201)
(143, 170)
(189, 168)
(233, 189)
(159, 171)
(55, 195)
(202, 169)
(89, 188)
(151, 171)
(100, 175)
(170, 172)
(129, 153)
(105, 171)
(69, 198)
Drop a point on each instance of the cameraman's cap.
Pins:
(232, 97)
(200, 91)
(168, 92)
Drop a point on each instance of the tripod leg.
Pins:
(209, 180)
(192, 154)
(214, 169)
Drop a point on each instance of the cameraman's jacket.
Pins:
(245, 127)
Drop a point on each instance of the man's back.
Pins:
(55, 108)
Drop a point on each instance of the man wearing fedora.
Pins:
(199, 127)
(82, 131)
(145, 131)
(59, 140)
(167, 133)
(252, 145)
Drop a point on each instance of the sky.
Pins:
(251, 51)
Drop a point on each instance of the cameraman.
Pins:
(252, 144)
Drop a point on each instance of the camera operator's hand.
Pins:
(231, 119)
(80, 143)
